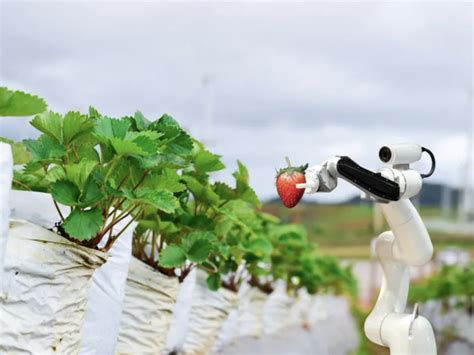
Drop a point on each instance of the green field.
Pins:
(346, 230)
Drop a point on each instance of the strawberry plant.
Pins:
(104, 169)
(295, 260)
(449, 282)
(111, 170)
(175, 243)
(211, 228)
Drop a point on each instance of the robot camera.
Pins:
(400, 154)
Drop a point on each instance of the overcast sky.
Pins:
(257, 81)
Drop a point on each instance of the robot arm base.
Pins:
(404, 334)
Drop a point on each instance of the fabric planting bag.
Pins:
(45, 287)
(299, 311)
(6, 176)
(147, 310)
(230, 329)
(209, 311)
(277, 310)
(105, 295)
(251, 311)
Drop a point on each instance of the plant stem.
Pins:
(133, 189)
(113, 239)
(153, 245)
(113, 223)
(59, 210)
(20, 183)
(288, 161)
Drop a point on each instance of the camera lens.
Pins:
(385, 154)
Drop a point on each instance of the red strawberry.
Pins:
(286, 181)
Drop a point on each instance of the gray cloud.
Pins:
(309, 79)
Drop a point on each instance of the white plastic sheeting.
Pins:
(6, 176)
(208, 313)
(35, 207)
(181, 312)
(44, 292)
(230, 328)
(251, 311)
(331, 320)
(332, 332)
(277, 310)
(147, 310)
(228, 332)
(299, 311)
(106, 296)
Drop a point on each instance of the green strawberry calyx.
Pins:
(290, 170)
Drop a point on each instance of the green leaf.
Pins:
(214, 281)
(162, 200)
(223, 226)
(107, 128)
(199, 251)
(169, 180)
(50, 123)
(75, 125)
(147, 140)
(65, 192)
(244, 191)
(91, 192)
(201, 192)
(251, 197)
(20, 154)
(141, 121)
(123, 147)
(205, 162)
(224, 191)
(44, 148)
(83, 225)
(197, 245)
(269, 218)
(175, 139)
(56, 173)
(79, 173)
(18, 103)
(136, 143)
(260, 246)
(172, 256)
(93, 113)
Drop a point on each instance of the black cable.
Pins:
(433, 162)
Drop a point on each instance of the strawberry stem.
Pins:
(288, 161)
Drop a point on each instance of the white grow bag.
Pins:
(147, 310)
(209, 311)
(6, 176)
(300, 308)
(277, 310)
(230, 329)
(251, 313)
(104, 306)
(44, 296)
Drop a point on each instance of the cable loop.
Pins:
(433, 163)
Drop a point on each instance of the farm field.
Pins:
(345, 231)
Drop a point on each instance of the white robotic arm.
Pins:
(407, 244)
